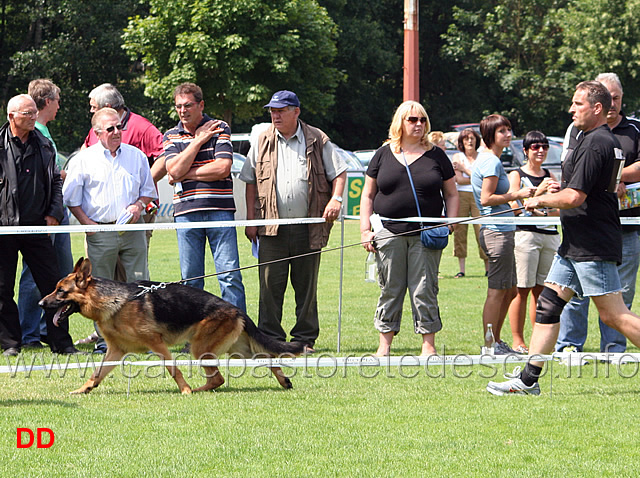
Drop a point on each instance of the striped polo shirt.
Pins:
(202, 195)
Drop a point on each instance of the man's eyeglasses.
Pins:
(112, 128)
(537, 146)
(186, 106)
(30, 114)
(415, 119)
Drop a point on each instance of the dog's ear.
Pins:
(83, 273)
(76, 268)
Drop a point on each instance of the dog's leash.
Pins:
(162, 285)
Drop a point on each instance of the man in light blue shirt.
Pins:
(104, 183)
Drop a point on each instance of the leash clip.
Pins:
(151, 288)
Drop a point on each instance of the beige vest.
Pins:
(319, 188)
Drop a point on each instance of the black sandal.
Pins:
(459, 275)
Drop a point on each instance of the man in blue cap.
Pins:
(292, 171)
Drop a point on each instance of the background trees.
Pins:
(343, 58)
(238, 52)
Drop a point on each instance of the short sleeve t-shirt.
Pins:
(488, 164)
(394, 198)
(591, 231)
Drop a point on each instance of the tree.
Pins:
(513, 45)
(238, 52)
(610, 43)
(370, 58)
(77, 44)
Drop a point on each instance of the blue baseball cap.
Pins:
(283, 98)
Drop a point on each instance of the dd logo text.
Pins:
(37, 437)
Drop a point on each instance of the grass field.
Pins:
(410, 422)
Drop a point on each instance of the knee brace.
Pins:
(549, 307)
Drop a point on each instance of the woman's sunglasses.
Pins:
(415, 119)
(537, 146)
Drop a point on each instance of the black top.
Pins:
(591, 231)
(628, 134)
(535, 182)
(394, 197)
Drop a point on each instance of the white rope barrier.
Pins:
(328, 361)
(516, 221)
(155, 226)
(521, 220)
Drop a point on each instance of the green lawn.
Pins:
(401, 422)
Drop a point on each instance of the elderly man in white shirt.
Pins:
(103, 182)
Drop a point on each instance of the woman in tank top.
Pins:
(535, 245)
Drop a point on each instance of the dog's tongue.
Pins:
(57, 315)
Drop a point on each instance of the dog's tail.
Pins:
(270, 345)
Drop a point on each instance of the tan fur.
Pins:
(131, 326)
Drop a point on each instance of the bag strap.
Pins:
(413, 189)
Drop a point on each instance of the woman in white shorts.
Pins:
(535, 246)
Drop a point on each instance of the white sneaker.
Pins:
(572, 359)
(513, 386)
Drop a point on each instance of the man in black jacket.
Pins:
(30, 195)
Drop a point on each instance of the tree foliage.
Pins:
(532, 53)
(342, 57)
(77, 44)
(238, 52)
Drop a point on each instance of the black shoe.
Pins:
(11, 352)
(186, 349)
(33, 345)
(70, 350)
(100, 350)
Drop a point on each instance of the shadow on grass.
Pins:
(30, 402)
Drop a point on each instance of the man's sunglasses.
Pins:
(415, 119)
(111, 129)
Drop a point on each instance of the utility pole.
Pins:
(411, 76)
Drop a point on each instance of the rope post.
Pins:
(341, 276)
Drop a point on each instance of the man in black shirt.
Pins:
(592, 241)
(30, 195)
(574, 318)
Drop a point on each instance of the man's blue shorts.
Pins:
(591, 278)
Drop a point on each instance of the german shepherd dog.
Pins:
(133, 322)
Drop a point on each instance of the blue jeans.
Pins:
(31, 315)
(223, 243)
(574, 318)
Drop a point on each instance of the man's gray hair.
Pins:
(12, 105)
(610, 78)
(107, 95)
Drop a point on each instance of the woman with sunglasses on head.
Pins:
(404, 263)
(468, 144)
(535, 246)
(491, 192)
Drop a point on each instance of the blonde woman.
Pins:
(403, 262)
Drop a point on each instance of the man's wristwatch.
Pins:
(337, 198)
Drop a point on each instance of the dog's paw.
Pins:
(186, 391)
(81, 390)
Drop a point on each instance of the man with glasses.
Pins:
(136, 130)
(108, 183)
(292, 171)
(574, 319)
(47, 98)
(30, 195)
(198, 156)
